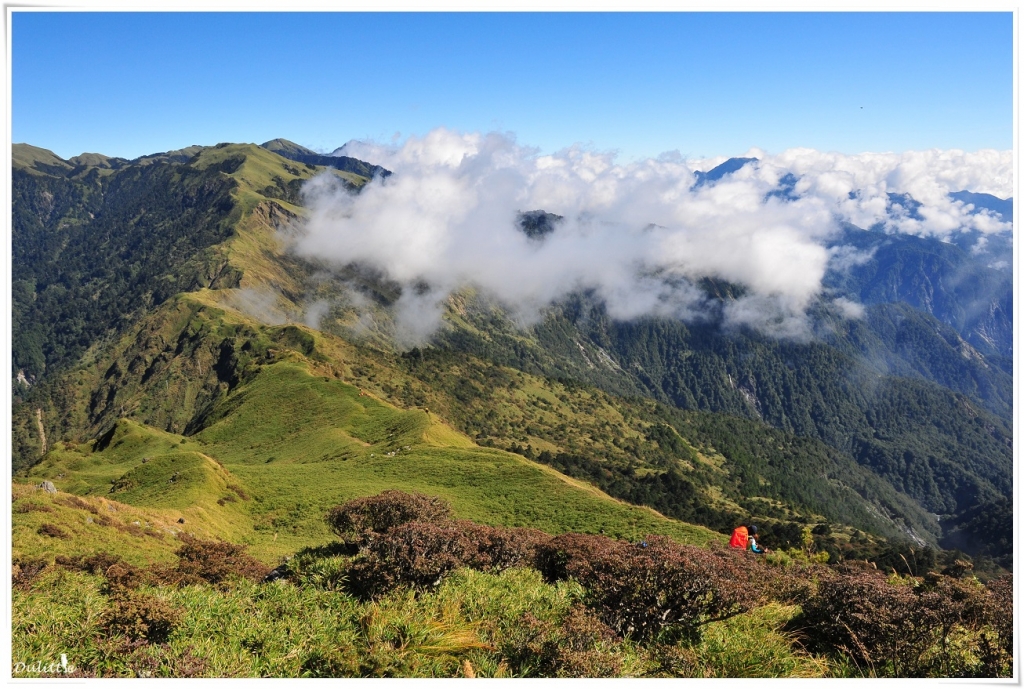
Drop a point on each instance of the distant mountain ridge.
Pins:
(1001, 207)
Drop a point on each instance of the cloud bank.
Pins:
(639, 235)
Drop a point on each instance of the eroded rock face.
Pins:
(48, 487)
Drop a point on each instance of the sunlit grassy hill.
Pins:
(283, 440)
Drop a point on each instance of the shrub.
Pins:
(24, 571)
(1001, 596)
(578, 647)
(416, 554)
(996, 654)
(495, 548)
(140, 617)
(355, 519)
(674, 660)
(640, 590)
(864, 617)
(216, 561)
(97, 563)
(28, 506)
(76, 502)
(898, 628)
(570, 555)
(52, 531)
(124, 576)
(238, 490)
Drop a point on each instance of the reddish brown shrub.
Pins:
(52, 531)
(139, 617)
(894, 630)
(97, 563)
(666, 586)
(380, 513)
(27, 506)
(25, 570)
(414, 554)
(420, 554)
(238, 490)
(640, 590)
(76, 502)
(571, 555)
(1001, 597)
(864, 617)
(216, 561)
(995, 650)
(495, 548)
(124, 576)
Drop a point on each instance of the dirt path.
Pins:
(42, 433)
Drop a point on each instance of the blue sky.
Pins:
(700, 83)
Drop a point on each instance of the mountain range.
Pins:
(171, 352)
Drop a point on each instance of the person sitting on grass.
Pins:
(743, 537)
(752, 531)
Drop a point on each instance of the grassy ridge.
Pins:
(287, 445)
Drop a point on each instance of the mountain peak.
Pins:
(716, 173)
(284, 147)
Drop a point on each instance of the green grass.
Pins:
(140, 536)
(297, 444)
(753, 645)
(472, 620)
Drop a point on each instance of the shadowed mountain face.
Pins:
(966, 290)
(716, 173)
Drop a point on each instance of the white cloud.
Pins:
(638, 234)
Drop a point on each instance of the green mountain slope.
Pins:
(943, 447)
(216, 363)
(280, 443)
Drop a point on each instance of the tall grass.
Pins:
(473, 623)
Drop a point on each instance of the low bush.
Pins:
(139, 617)
(98, 563)
(76, 502)
(1001, 592)
(216, 561)
(25, 570)
(900, 627)
(26, 506)
(125, 576)
(355, 519)
(52, 531)
(414, 554)
(571, 554)
(494, 548)
(996, 641)
(654, 588)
